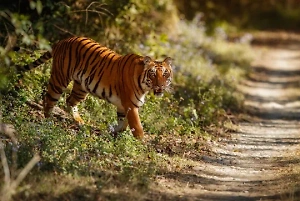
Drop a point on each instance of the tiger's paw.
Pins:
(78, 119)
(138, 135)
(76, 116)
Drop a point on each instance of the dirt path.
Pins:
(262, 160)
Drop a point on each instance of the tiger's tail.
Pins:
(45, 57)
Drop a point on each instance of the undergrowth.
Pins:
(206, 71)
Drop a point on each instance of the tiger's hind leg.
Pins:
(77, 95)
(51, 97)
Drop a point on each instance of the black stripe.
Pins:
(95, 57)
(89, 80)
(88, 59)
(139, 82)
(81, 91)
(45, 57)
(118, 75)
(99, 63)
(137, 98)
(123, 67)
(77, 82)
(88, 49)
(119, 114)
(110, 91)
(59, 57)
(101, 72)
(134, 104)
(78, 95)
(110, 60)
(70, 57)
(102, 51)
(99, 80)
(51, 98)
(86, 82)
(55, 89)
(79, 55)
(103, 93)
(105, 59)
(60, 79)
(117, 94)
(94, 69)
(138, 87)
(145, 75)
(82, 61)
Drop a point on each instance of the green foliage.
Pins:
(241, 14)
(133, 23)
(3, 79)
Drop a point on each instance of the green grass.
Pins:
(86, 162)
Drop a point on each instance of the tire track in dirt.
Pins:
(261, 161)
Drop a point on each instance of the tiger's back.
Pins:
(121, 80)
(86, 62)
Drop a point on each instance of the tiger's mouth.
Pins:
(158, 92)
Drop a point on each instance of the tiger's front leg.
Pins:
(122, 122)
(135, 122)
(131, 117)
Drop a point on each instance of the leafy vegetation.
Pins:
(243, 14)
(89, 163)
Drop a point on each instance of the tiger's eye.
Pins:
(166, 74)
(152, 75)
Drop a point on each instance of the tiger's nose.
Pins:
(159, 88)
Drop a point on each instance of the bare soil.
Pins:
(261, 161)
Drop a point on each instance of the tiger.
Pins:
(122, 80)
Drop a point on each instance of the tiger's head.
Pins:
(158, 75)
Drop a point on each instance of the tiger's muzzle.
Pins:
(159, 91)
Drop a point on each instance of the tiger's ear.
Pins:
(147, 60)
(168, 61)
